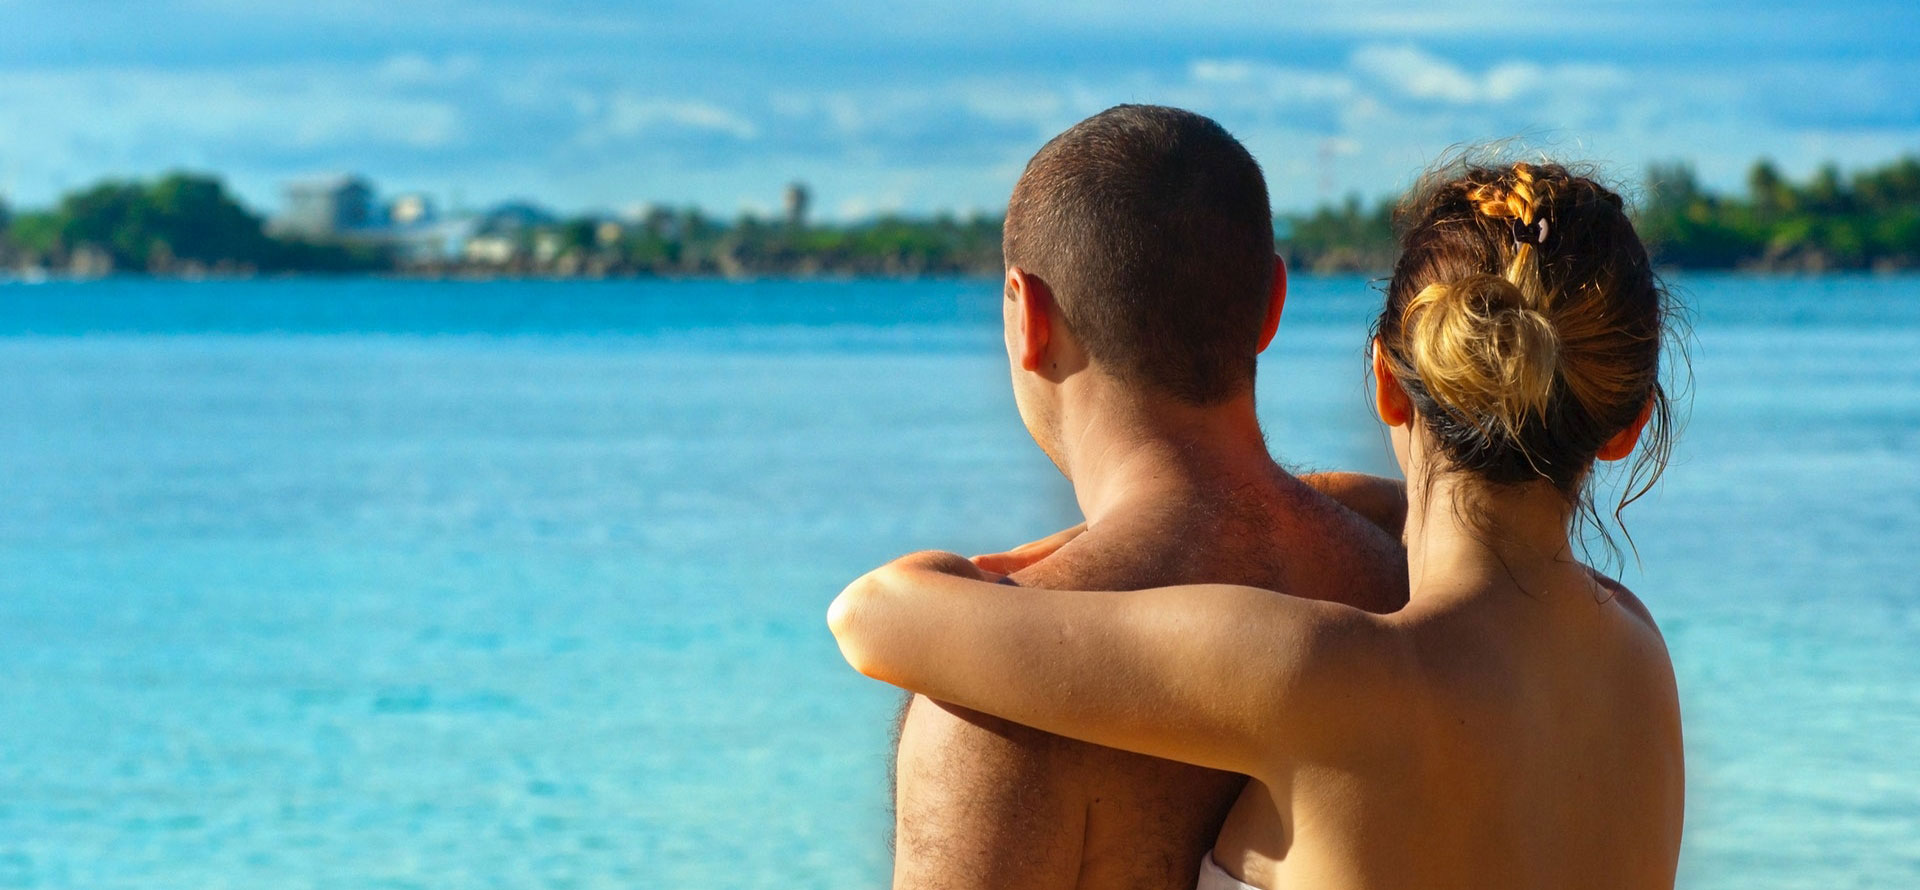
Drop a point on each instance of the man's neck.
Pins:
(1123, 449)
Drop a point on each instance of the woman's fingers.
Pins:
(1008, 562)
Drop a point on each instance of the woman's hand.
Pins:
(1027, 554)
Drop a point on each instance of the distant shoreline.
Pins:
(187, 226)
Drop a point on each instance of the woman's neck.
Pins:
(1463, 534)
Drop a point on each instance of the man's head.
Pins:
(1141, 241)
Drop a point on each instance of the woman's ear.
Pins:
(1389, 398)
(1622, 442)
(1276, 301)
(1030, 323)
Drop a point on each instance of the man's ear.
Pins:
(1030, 325)
(1389, 397)
(1623, 441)
(1276, 301)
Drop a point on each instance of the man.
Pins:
(1141, 285)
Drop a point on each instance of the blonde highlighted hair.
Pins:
(1526, 323)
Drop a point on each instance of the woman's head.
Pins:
(1524, 323)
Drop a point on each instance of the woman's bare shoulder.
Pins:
(1616, 593)
(1642, 650)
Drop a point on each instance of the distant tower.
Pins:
(796, 200)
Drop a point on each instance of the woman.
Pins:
(1516, 724)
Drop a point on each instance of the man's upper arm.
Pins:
(983, 803)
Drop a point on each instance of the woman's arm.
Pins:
(1215, 675)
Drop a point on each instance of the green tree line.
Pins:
(182, 223)
(189, 224)
(1868, 220)
(687, 242)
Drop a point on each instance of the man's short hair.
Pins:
(1152, 228)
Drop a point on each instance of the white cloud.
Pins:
(1417, 74)
(418, 70)
(1410, 72)
(121, 112)
(627, 115)
(1510, 80)
(1265, 82)
(1230, 71)
(587, 130)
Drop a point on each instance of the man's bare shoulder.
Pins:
(1093, 561)
(1338, 554)
(1381, 501)
(1142, 551)
(1288, 536)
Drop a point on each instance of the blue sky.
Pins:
(918, 106)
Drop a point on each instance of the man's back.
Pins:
(988, 804)
(1141, 287)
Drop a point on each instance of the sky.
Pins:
(915, 106)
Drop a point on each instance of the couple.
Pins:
(1271, 681)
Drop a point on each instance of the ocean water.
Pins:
(348, 584)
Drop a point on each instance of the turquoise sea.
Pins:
(352, 584)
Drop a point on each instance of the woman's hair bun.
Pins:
(1484, 352)
(1525, 325)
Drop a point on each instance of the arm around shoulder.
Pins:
(1215, 675)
